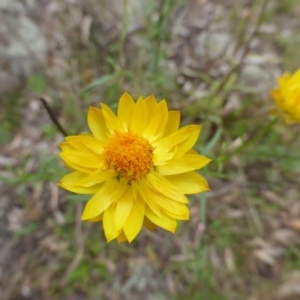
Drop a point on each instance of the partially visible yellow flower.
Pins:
(138, 165)
(287, 97)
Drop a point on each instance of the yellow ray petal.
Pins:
(184, 215)
(135, 220)
(84, 159)
(189, 183)
(68, 183)
(101, 200)
(139, 120)
(125, 109)
(165, 222)
(166, 148)
(186, 145)
(66, 146)
(157, 121)
(134, 185)
(186, 163)
(165, 187)
(109, 224)
(71, 165)
(121, 237)
(86, 142)
(147, 195)
(150, 103)
(169, 205)
(97, 124)
(123, 208)
(173, 122)
(160, 158)
(97, 177)
(149, 225)
(168, 142)
(192, 151)
(97, 219)
(113, 123)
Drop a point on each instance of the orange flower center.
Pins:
(130, 155)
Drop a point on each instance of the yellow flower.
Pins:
(138, 165)
(287, 97)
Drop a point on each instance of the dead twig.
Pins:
(52, 116)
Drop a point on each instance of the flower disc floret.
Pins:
(130, 155)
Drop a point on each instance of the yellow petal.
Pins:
(150, 104)
(168, 205)
(186, 163)
(123, 208)
(83, 159)
(139, 118)
(101, 200)
(149, 225)
(98, 176)
(189, 183)
(186, 145)
(125, 109)
(74, 167)
(135, 220)
(70, 167)
(68, 183)
(97, 124)
(121, 237)
(85, 142)
(113, 123)
(165, 221)
(286, 97)
(97, 219)
(173, 122)
(147, 195)
(109, 224)
(167, 143)
(192, 151)
(160, 158)
(67, 146)
(165, 187)
(184, 215)
(157, 121)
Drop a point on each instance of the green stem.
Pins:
(123, 31)
(159, 25)
(203, 201)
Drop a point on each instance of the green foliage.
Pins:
(49, 170)
(37, 83)
(96, 84)
(5, 134)
(11, 105)
(28, 229)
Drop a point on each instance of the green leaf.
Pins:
(79, 198)
(37, 83)
(96, 83)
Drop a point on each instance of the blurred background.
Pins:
(215, 61)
